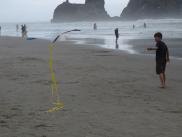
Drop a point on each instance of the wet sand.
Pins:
(106, 93)
(140, 45)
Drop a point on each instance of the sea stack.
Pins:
(92, 10)
(142, 9)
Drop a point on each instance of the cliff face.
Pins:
(140, 9)
(91, 10)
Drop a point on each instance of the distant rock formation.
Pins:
(91, 10)
(141, 9)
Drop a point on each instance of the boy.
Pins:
(162, 57)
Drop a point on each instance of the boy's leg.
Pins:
(162, 79)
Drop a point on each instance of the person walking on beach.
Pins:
(117, 36)
(133, 26)
(0, 30)
(24, 31)
(17, 28)
(162, 57)
(25, 27)
(95, 26)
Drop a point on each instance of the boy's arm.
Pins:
(167, 55)
(151, 48)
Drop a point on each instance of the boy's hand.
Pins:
(168, 60)
(151, 49)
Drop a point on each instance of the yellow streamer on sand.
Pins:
(58, 105)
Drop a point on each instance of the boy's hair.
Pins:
(158, 34)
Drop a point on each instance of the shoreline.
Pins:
(134, 46)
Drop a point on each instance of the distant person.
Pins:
(133, 26)
(17, 28)
(117, 36)
(24, 31)
(162, 57)
(0, 30)
(145, 25)
(95, 26)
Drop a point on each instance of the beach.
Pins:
(106, 93)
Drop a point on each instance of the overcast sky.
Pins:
(42, 10)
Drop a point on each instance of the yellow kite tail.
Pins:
(54, 88)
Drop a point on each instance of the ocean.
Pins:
(104, 36)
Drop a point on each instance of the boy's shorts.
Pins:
(160, 67)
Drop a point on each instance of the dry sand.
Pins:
(106, 93)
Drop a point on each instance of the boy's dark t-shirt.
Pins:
(161, 57)
(161, 53)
